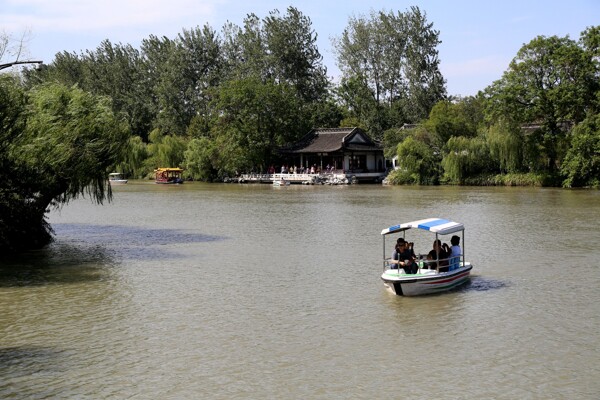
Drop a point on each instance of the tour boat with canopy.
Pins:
(116, 178)
(425, 280)
(168, 175)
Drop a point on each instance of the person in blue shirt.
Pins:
(455, 252)
(404, 257)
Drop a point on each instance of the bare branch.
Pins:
(13, 49)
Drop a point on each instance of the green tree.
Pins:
(448, 119)
(550, 83)
(12, 123)
(417, 159)
(165, 151)
(257, 118)
(245, 50)
(394, 58)
(134, 160)
(465, 157)
(181, 73)
(117, 71)
(507, 146)
(293, 55)
(201, 159)
(590, 42)
(66, 141)
(582, 162)
(358, 100)
(425, 83)
(66, 68)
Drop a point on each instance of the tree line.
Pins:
(539, 124)
(217, 102)
(221, 102)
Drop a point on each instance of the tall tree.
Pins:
(280, 49)
(180, 73)
(395, 56)
(201, 69)
(426, 85)
(67, 68)
(547, 83)
(113, 70)
(590, 42)
(257, 118)
(117, 71)
(245, 50)
(293, 53)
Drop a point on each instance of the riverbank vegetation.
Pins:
(218, 103)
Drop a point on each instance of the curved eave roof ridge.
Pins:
(331, 140)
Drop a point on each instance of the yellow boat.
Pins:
(168, 175)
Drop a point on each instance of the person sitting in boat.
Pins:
(404, 256)
(438, 257)
(455, 252)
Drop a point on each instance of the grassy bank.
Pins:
(526, 179)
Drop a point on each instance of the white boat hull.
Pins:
(425, 281)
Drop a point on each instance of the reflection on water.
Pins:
(59, 263)
(133, 242)
(480, 283)
(241, 291)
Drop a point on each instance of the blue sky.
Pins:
(479, 38)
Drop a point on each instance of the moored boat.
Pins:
(168, 175)
(116, 178)
(428, 278)
(281, 182)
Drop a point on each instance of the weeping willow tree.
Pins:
(465, 157)
(507, 146)
(200, 158)
(418, 160)
(133, 163)
(63, 142)
(165, 150)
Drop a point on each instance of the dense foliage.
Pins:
(536, 125)
(390, 69)
(57, 144)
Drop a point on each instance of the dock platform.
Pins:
(334, 178)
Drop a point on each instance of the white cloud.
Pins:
(102, 15)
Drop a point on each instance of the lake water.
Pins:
(255, 292)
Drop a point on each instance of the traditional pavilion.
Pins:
(345, 150)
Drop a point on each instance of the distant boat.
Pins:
(281, 182)
(425, 281)
(168, 175)
(116, 178)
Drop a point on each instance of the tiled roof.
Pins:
(329, 140)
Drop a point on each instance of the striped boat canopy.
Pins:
(434, 225)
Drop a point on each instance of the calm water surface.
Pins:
(255, 292)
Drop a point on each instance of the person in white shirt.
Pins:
(455, 252)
